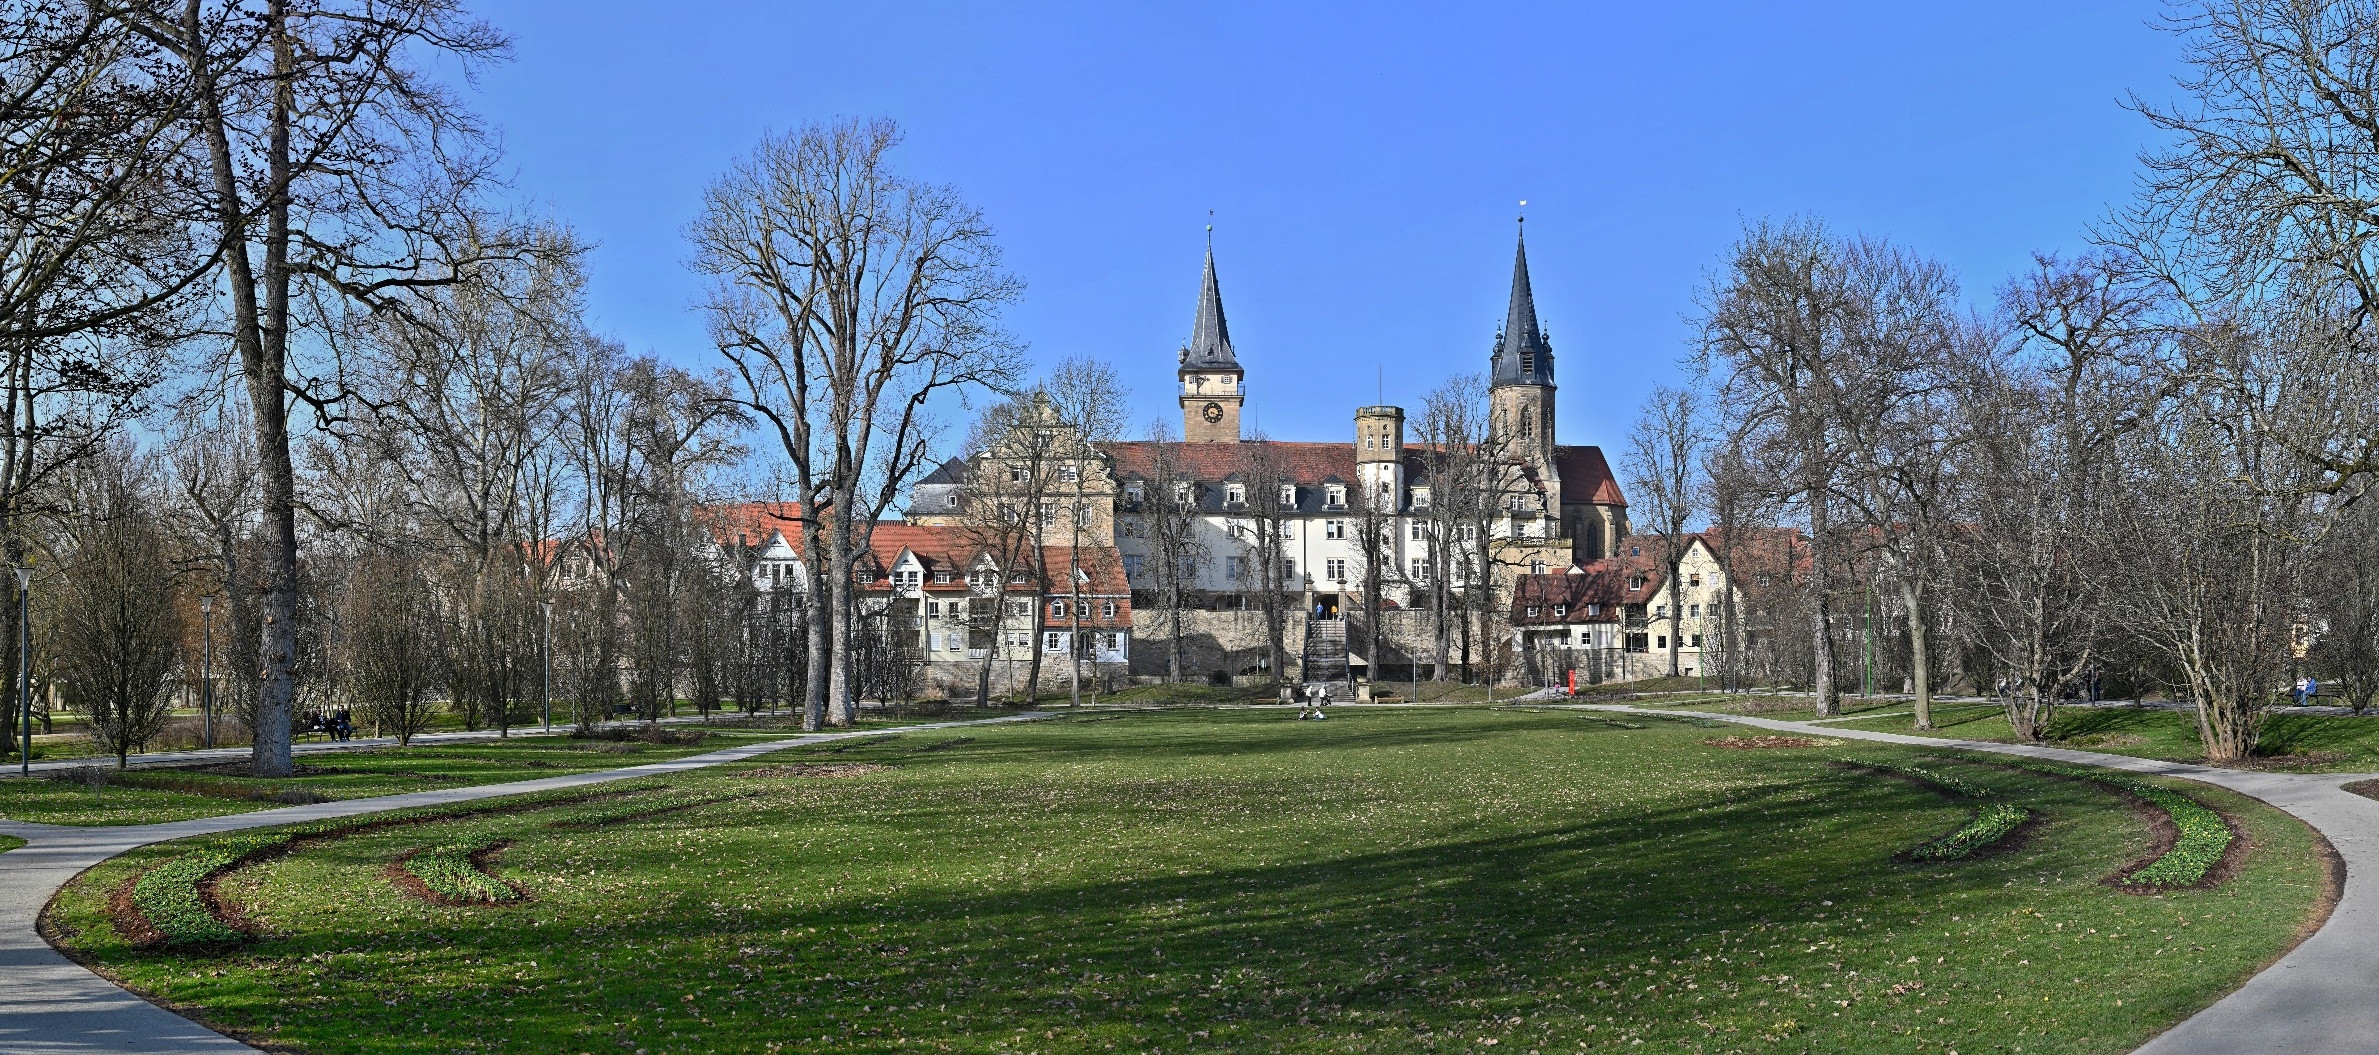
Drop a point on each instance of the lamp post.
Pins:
(546, 647)
(206, 679)
(25, 665)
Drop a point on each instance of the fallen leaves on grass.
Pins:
(816, 769)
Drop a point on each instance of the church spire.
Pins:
(1522, 354)
(1209, 345)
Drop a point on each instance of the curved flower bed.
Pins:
(1990, 824)
(1948, 782)
(172, 897)
(2201, 838)
(453, 874)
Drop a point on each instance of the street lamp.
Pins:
(206, 679)
(547, 648)
(25, 665)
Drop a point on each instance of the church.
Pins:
(1562, 506)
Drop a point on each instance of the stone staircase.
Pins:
(1324, 656)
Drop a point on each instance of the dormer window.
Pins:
(950, 501)
(1181, 493)
(1235, 494)
(1560, 611)
(1226, 380)
(1335, 494)
(1288, 494)
(941, 577)
(1132, 493)
(1420, 498)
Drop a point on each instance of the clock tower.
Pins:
(1212, 385)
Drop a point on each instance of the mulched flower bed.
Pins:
(1749, 743)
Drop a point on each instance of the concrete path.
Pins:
(322, 747)
(49, 1005)
(2320, 999)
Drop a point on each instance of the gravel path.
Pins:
(49, 1005)
(2320, 999)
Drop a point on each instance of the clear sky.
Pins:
(1363, 162)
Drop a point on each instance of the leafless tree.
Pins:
(2342, 586)
(1461, 479)
(119, 628)
(1166, 512)
(338, 178)
(395, 641)
(1266, 516)
(1809, 338)
(1088, 397)
(845, 299)
(1665, 451)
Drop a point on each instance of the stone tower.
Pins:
(1212, 385)
(1520, 385)
(1379, 455)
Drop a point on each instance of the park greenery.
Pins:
(1392, 880)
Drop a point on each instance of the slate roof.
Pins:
(1522, 354)
(1585, 474)
(1209, 346)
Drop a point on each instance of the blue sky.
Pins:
(1363, 162)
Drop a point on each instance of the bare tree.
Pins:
(395, 642)
(338, 177)
(119, 632)
(1665, 451)
(1459, 475)
(846, 298)
(1809, 338)
(1087, 396)
(2343, 588)
(1165, 511)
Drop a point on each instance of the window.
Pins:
(1697, 640)
(1113, 642)
(1132, 528)
(1594, 609)
(1288, 569)
(1532, 611)
(1635, 583)
(950, 501)
(1133, 493)
(1420, 498)
(1561, 611)
(1235, 494)
(908, 579)
(1235, 528)
(1288, 529)
(866, 575)
(933, 608)
(1048, 514)
(1635, 551)
(1057, 609)
(1695, 580)
(1660, 611)
(1288, 495)
(1106, 609)
(1053, 642)
(1664, 641)
(1017, 639)
(1234, 568)
(1536, 567)
(1334, 495)
(1337, 570)
(1694, 611)
(941, 575)
(1418, 531)
(1131, 567)
(1470, 533)
(1181, 493)
(933, 642)
(1020, 609)
(1420, 570)
(1189, 567)
(1069, 474)
(1334, 529)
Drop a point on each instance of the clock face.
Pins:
(1214, 412)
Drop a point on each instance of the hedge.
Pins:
(449, 872)
(168, 895)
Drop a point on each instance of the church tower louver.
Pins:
(1212, 384)
(1520, 380)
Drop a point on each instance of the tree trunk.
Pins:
(1676, 611)
(1920, 666)
(1821, 581)
(840, 706)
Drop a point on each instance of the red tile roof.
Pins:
(1586, 476)
(1303, 463)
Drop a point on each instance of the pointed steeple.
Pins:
(1522, 354)
(1209, 345)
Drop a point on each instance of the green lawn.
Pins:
(1389, 880)
(2311, 743)
(343, 775)
(9, 842)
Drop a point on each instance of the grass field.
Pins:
(1390, 880)
(182, 793)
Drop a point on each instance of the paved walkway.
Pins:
(10, 768)
(51, 1006)
(2320, 999)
